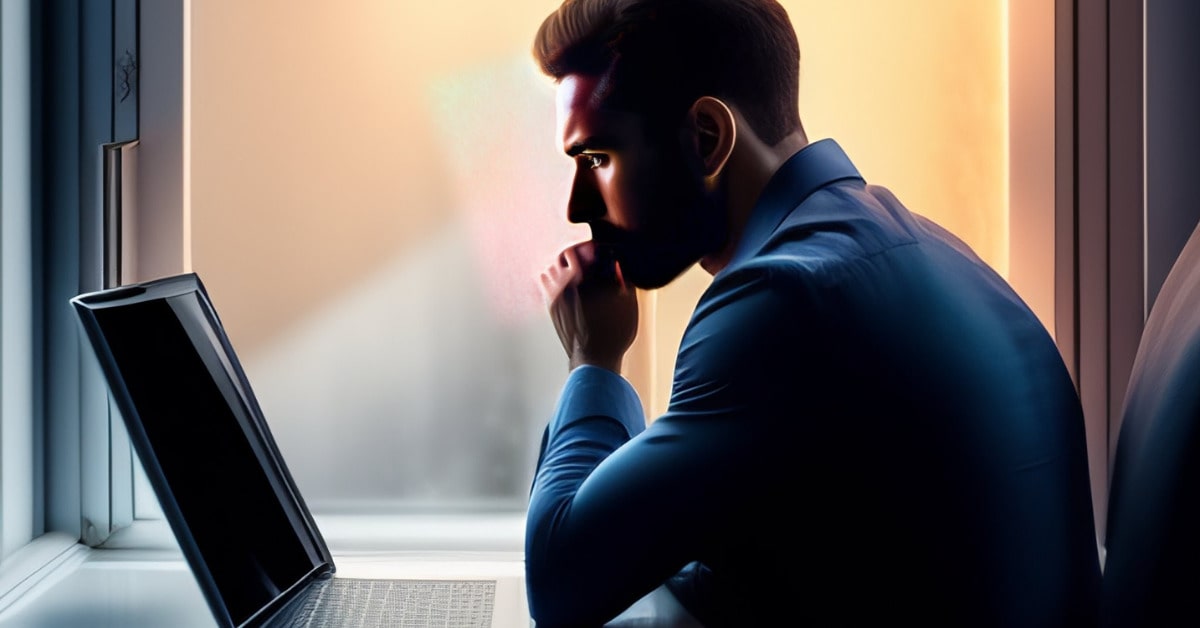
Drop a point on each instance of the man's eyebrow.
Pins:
(590, 143)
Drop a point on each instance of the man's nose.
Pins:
(585, 204)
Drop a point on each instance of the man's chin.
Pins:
(651, 278)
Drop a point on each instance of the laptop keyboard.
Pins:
(363, 603)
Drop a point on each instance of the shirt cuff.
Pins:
(592, 391)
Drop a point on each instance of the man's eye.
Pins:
(594, 161)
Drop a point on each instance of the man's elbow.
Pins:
(558, 596)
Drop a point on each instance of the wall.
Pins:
(1031, 153)
(1172, 98)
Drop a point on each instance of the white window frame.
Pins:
(68, 471)
(19, 509)
(28, 551)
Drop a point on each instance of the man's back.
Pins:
(916, 448)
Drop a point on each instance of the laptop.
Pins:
(243, 527)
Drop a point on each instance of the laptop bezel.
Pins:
(85, 306)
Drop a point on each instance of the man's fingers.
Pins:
(572, 266)
(569, 269)
(587, 261)
(549, 288)
(570, 259)
(585, 252)
(555, 279)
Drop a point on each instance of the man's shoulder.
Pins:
(852, 245)
(840, 226)
(820, 238)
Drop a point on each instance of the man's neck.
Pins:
(750, 167)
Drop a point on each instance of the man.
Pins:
(866, 425)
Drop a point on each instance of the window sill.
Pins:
(30, 565)
(139, 577)
(352, 534)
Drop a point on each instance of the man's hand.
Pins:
(594, 311)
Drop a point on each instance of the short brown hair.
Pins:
(659, 56)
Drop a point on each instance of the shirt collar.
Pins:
(811, 168)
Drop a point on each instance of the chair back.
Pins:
(1152, 565)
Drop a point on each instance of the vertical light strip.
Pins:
(657, 401)
(1145, 173)
(186, 180)
(1003, 263)
(4, 91)
(16, 283)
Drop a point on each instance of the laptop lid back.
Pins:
(192, 417)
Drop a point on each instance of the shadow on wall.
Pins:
(409, 390)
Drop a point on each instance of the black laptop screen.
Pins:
(194, 417)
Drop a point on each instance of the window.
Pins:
(19, 507)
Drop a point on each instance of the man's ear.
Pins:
(714, 131)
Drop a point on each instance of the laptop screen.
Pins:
(204, 443)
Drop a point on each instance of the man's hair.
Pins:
(657, 57)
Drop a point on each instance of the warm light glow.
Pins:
(186, 179)
(1029, 81)
(1002, 259)
(914, 91)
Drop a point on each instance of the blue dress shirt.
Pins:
(866, 424)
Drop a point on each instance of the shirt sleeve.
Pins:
(615, 508)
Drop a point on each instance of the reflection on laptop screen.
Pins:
(204, 444)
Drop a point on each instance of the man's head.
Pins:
(652, 95)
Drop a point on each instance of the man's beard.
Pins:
(653, 260)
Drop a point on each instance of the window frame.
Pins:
(1099, 214)
(78, 59)
(85, 70)
(19, 502)
(85, 107)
